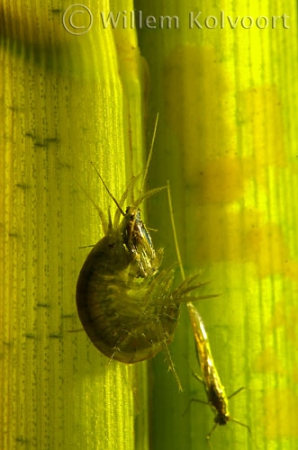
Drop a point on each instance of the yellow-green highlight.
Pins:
(64, 104)
(227, 143)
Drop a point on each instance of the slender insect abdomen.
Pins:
(213, 386)
(200, 335)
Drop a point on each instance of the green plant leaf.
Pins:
(67, 99)
(227, 98)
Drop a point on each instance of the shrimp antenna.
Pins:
(150, 153)
(108, 190)
(175, 232)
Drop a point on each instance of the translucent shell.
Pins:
(126, 305)
(126, 317)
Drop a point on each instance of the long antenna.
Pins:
(150, 153)
(108, 190)
(203, 348)
(175, 232)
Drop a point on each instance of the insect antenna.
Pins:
(144, 195)
(119, 210)
(236, 392)
(170, 361)
(148, 194)
(101, 214)
(108, 190)
(150, 153)
(175, 232)
(217, 389)
(185, 286)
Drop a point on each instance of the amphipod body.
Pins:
(127, 317)
(127, 308)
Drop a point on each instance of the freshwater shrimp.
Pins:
(126, 304)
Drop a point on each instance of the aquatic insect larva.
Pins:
(215, 391)
(214, 388)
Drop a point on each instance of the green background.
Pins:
(226, 140)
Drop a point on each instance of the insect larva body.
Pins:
(214, 388)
